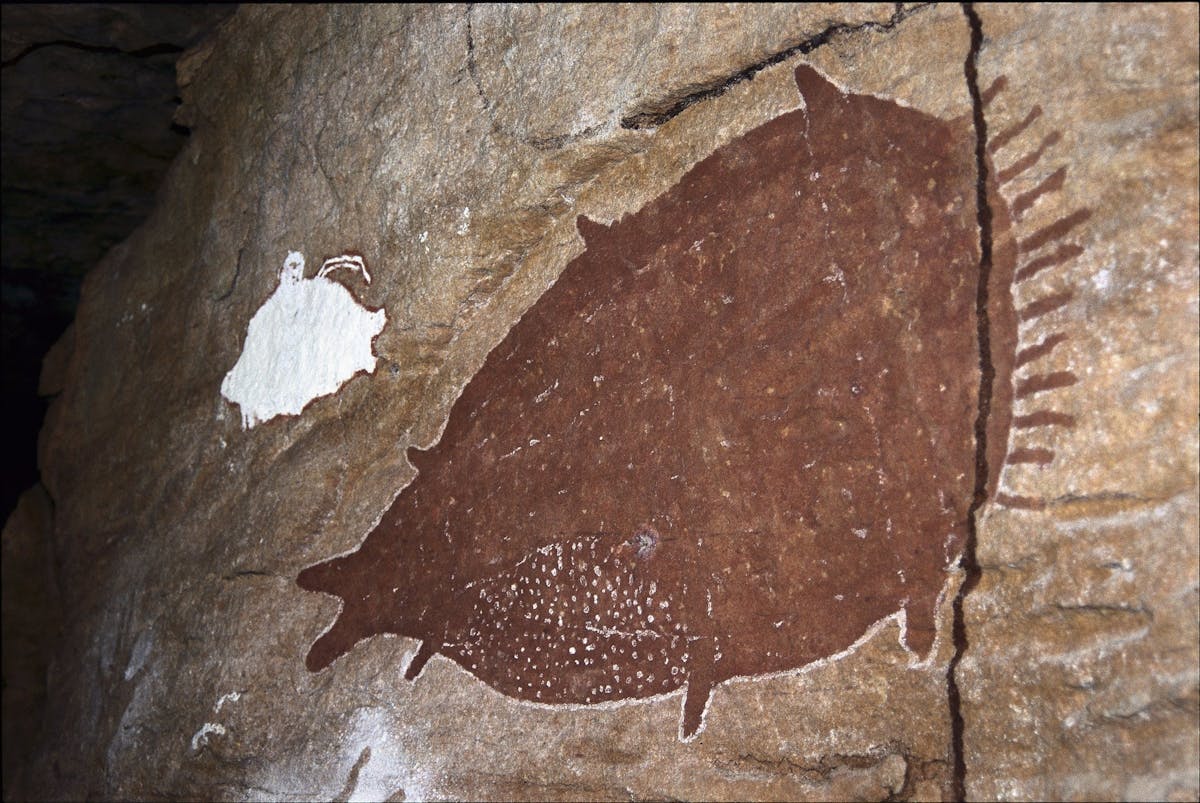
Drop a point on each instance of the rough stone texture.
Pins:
(88, 95)
(1081, 679)
(178, 535)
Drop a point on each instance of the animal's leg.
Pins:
(427, 650)
(701, 679)
(921, 624)
(337, 641)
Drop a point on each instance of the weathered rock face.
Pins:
(454, 150)
(88, 93)
(1081, 676)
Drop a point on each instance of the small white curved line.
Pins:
(344, 261)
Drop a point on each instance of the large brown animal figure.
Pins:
(737, 432)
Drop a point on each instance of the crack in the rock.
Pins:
(540, 143)
(573, 790)
(821, 770)
(969, 562)
(472, 66)
(237, 271)
(248, 573)
(558, 140)
(160, 49)
(1104, 609)
(655, 114)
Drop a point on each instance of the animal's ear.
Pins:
(817, 90)
(589, 229)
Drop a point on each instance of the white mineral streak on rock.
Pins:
(139, 654)
(305, 341)
(200, 737)
(390, 767)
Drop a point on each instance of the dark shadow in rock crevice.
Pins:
(987, 376)
(87, 137)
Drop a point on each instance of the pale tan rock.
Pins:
(374, 130)
(1081, 680)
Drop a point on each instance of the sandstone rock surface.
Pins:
(453, 148)
(1081, 679)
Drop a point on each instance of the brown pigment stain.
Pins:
(736, 433)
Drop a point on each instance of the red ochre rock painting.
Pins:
(735, 434)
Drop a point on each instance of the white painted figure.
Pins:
(307, 340)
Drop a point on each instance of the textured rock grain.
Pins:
(453, 148)
(1081, 680)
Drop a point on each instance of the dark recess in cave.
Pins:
(87, 135)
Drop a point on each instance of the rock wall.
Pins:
(453, 150)
(1081, 677)
(88, 92)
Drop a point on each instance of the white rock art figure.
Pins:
(305, 341)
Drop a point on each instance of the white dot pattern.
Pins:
(573, 622)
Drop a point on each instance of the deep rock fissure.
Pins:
(655, 113)
(969, 562)
(661, 111)
(160, 49)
